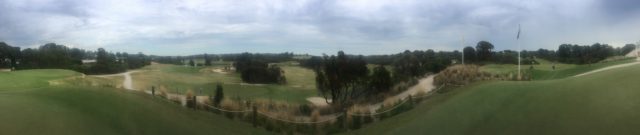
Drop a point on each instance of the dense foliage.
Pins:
(176, 60)
(380, 80)
(577, 54)
(53, 56)
(255, 69)
(345, 79)
(207, 60)
(342, 79)
(418, 63)
(217, 99)
(484, 51)
(8, 55)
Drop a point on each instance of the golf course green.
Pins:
(606, 102)
(31, 106)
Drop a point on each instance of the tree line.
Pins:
(586, 54)
(209, 58)
(56, 56)
(484, 53)
(8, 55)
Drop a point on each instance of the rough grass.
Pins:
(111, 82)
(30, 106)
(601, 103)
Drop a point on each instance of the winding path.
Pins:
(609, 68)
(424, 85)
(127, 83)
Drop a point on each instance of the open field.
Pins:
(30, 106)
(601, 103)
(544, 71)
(32, 79)
(179, 79)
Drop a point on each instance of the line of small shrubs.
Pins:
(250, 111)
(459, 75)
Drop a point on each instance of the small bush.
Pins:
(306, 109)
(191, 101)
(459, 75)
(231, 105)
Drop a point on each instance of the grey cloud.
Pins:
(324, 25)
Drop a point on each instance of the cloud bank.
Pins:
(182, 27)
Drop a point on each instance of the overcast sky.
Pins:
(176, 27)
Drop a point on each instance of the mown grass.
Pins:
(31, 106)
(601, 103)
(544, 70)
(19, 80)
(202, 80)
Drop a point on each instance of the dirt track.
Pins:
(608, 68)
(127, 83)
(425, 85)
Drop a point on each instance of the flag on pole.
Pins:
(518, 37)
(519, 50)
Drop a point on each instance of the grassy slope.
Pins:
(31, 79)
(602, 103)
(178, 79)
(543, 71)
(30, 106)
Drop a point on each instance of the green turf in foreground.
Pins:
(607, 102)
(32, 107)
(20, 80)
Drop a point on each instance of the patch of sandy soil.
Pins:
(632, 53)
(318, 101)
(221, 71)
(127, 83)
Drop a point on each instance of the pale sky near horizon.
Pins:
(184, 27)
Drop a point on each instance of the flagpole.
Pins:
(519, 50)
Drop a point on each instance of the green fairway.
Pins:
(601, 103)
(30, 106)
(179, 79)
(544, 70)
(31, 79)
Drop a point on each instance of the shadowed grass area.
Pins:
(601, 103)
(33, 107)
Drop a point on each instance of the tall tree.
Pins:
(106, 63)
(342, 79)
(380, 80)
(484, 50)
(8, 55)
(255, 69)
(191, 63)
(217, 99)
(469, 54)
(207, 60)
